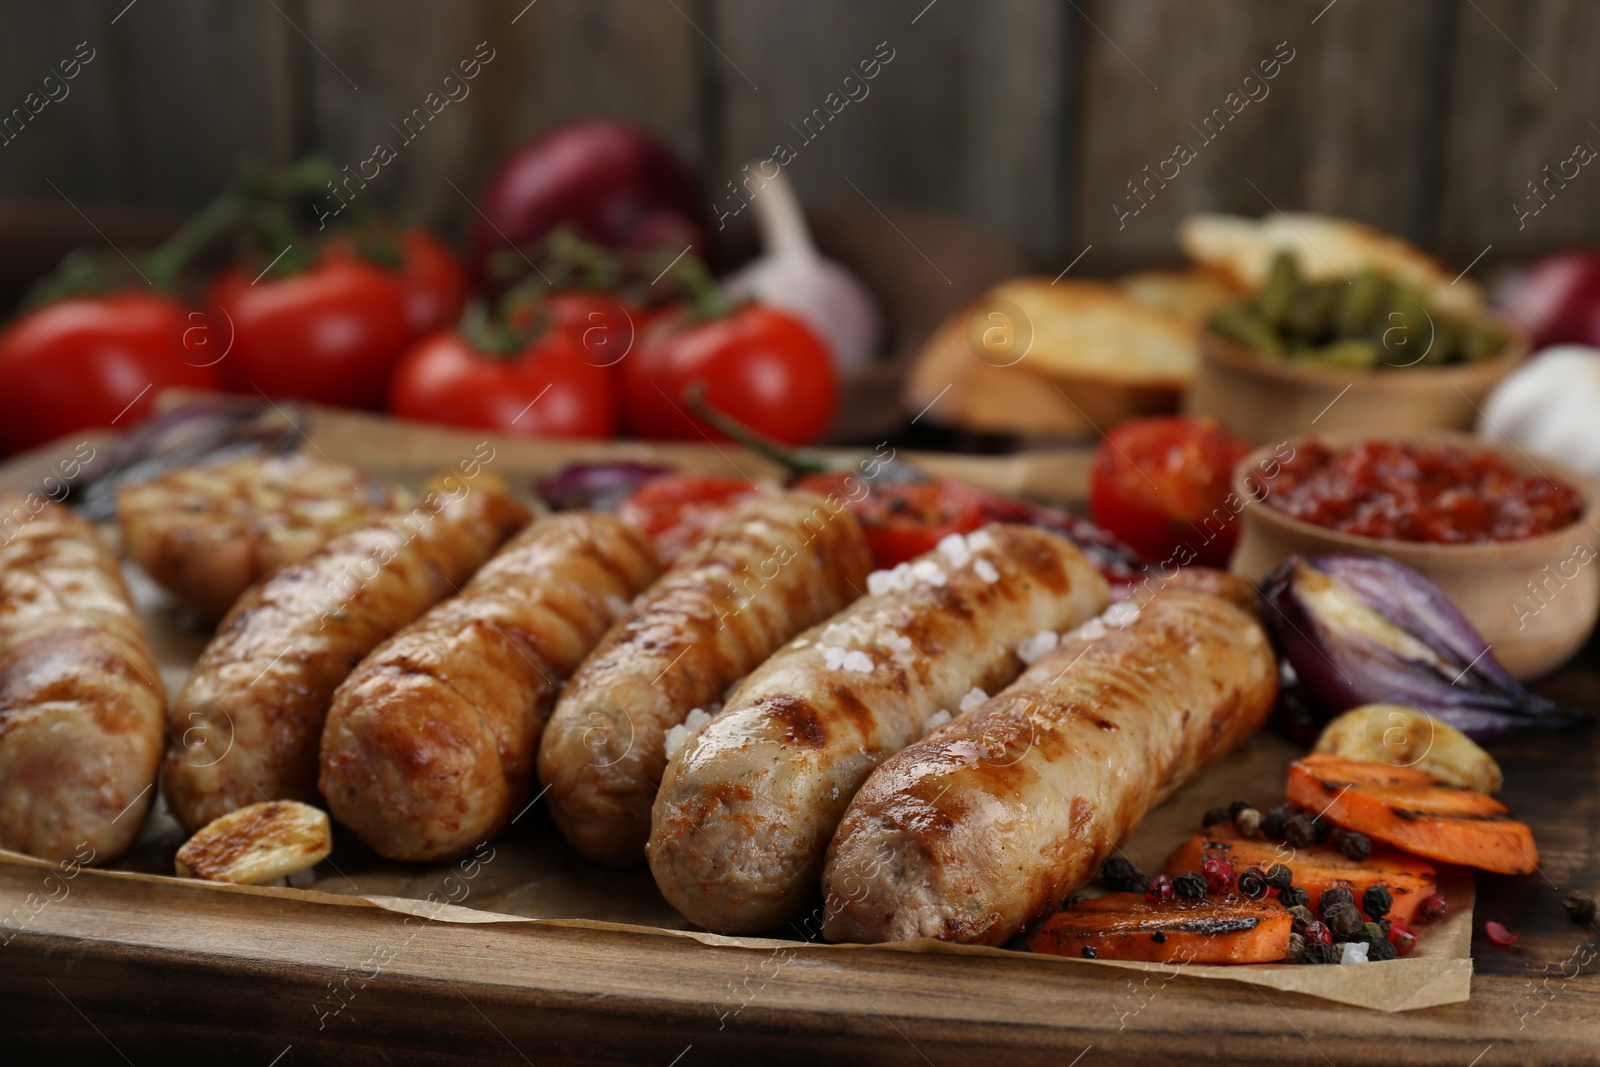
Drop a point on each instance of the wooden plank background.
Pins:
(1026, 117)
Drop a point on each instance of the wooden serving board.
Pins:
(151, 969)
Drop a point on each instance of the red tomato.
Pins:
(760, 366)
(92, 361)
(902, 520)
(331, 334)
(674, 510)
(603, 327)
(546, 390)
(434, 283)
(1162, 484)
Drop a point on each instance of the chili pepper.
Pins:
(1377, 901)
(1190, 885)
(1580, 906)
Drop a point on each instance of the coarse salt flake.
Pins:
(1354, 952)
(680, 734)
(857, 661)
(936, 720)
(1035, 648)
(979, 540)
(1121, 614)
(986, 571)
(833, 656)
(928, 572)
(955, 549)
(974, 697)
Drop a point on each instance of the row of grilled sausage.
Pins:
(422, 672)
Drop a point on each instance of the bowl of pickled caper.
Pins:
(1354, 352)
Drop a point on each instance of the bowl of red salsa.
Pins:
(1512, 538)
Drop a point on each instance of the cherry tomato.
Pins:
(545, 390)
(1164, 485)
(95, 361)
(435, 285)
(902, 520)
(674, 510)
(760, 366)
(331, 334)
(603, 327)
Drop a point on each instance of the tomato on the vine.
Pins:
(330, 334)
(1162, 484)
(758, 365)
(544, 389)
(435, 285)
(94, 361)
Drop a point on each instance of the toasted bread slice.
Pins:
(1324, 248)
(1097, 333)
(1190, 294)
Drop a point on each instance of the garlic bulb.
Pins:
(1548, 405)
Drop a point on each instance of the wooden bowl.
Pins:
(1534, 601)
(1266, 400)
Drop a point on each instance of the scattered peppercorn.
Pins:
(1279, 876)
(1580, 906)
(1160, 890)
(1294, 895)
(1380, 950)
(1219, 875)
(1191, 885)
(1377, 901)
(1402, 937)
(1297, 949)
(1253, 884)
(1433, 907)
(1236, 807)
(1274, 822)
(1089, 953)
(1385, 923)
(1344, 920)
(1302, 918)
(1334, 897)
(1159, 938)
(1372, 932)
(1318, 952)
(1318, 934)
(1121, 876)
(1249, 822)
(1212, 817)
(1300, 832)
(1352, 845)
(1499, 934)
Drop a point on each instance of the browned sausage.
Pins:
(748, 806)
(429, 746)
(247, 724)
(985, 826)
(775, 566)
(81, 703)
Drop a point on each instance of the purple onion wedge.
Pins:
(1365, 629)
(597, 486)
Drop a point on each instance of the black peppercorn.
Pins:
(1089, 953)
(1380, 950)
(1273, 823)
(1335, 897)
(1318, 953)
(1302, 918)
(1294, 895)
(1212, 817)
(1320, 830)
(1190, 885)
(1300, 831)
(1344, 920)
(1121, 876)
(1352, 845)
(1580, 906)
(1377, 901)
(1279, 877)
(1236, 807)
(1159, 938)
(1253, 884)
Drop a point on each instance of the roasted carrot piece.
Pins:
(1409, 879)
(1125, 926)
(1416, 813)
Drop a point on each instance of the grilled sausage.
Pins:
(429, 745)
(984, 827)
(748, 806)
(247, 724)
(775, 566)
(209, 532)
(81, 702)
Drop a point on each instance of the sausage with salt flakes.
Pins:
(749, 804)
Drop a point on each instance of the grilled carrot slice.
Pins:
(1409, 879)
(1125, 926)
(1412, 811)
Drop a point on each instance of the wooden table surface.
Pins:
(147, 972)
